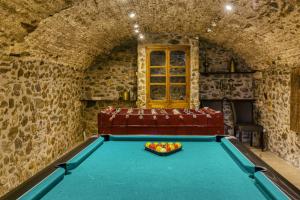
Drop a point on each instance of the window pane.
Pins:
(157, 79)
(176, 71)
(157, 71)
(157, 58)
(157, 92)
(178, 92)
(177, 58)
(178, 79)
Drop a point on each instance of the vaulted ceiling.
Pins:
(263, 32)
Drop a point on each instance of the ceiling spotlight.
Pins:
(132, 14)
(209, 30)
(136, 30)
(135, 26)
(228, 7)
(141, 36)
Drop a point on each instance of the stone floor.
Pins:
(288, 171)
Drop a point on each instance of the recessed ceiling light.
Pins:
(135, 26)
(228, 7)
(136, 30)
(132, 14)
(141, 36)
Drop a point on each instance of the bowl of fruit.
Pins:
(163, 148)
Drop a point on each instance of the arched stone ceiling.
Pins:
(20, 17)
(264, 32)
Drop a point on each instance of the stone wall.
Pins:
(218, 58)
(219, 86)
(116, 72)
(40, 117)
(231, 86)
(273, 108)
(109, 75)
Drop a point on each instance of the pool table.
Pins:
(115, 167)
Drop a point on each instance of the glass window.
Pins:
(178, 92)
(167, 76)
(177, 58)
(178, 79)
(157, 71)
(157, 92)
(177, 71)
(157, 58)
(157, 79)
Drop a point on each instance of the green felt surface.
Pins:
(273, 191)
(124, 170)
(81, 156)
(43, 187)
(238, 157)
